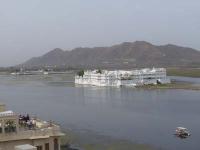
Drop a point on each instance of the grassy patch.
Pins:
(173, 85)
(186, 72)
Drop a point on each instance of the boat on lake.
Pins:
(182, 132)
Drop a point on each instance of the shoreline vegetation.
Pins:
(181, 72)
(184, 72)
(172, 85)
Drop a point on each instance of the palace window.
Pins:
(1, 128)
(56, 144)
(39, 147)
(46, 146)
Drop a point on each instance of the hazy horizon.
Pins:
(32, 28)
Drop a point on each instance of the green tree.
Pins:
(99, 71)
(80, 73)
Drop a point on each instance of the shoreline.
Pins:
(173, 85)
(184, 72)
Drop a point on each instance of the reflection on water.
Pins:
(144, 116)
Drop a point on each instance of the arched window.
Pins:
(1, 127)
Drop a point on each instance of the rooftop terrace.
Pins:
(17, 127)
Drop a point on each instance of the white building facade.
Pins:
(123, 78)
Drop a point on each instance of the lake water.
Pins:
(143, 116)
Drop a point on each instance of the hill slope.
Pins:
(125, 55)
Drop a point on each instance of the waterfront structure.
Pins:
(122, 77)
(17, 131)
(24, 72)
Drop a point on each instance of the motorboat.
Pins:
(182, 132)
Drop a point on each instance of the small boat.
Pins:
(182, 132)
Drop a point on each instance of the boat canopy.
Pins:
(181, 128)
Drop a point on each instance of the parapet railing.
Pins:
(45, 132)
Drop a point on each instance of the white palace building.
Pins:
(119, 78)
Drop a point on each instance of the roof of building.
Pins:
(181, 128)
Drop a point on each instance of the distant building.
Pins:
(17, 132)
(123, 77)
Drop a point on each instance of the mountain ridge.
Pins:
(124, 55)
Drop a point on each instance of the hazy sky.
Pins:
(33, 27)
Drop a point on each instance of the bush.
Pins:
(99, 71)
(80, 73)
